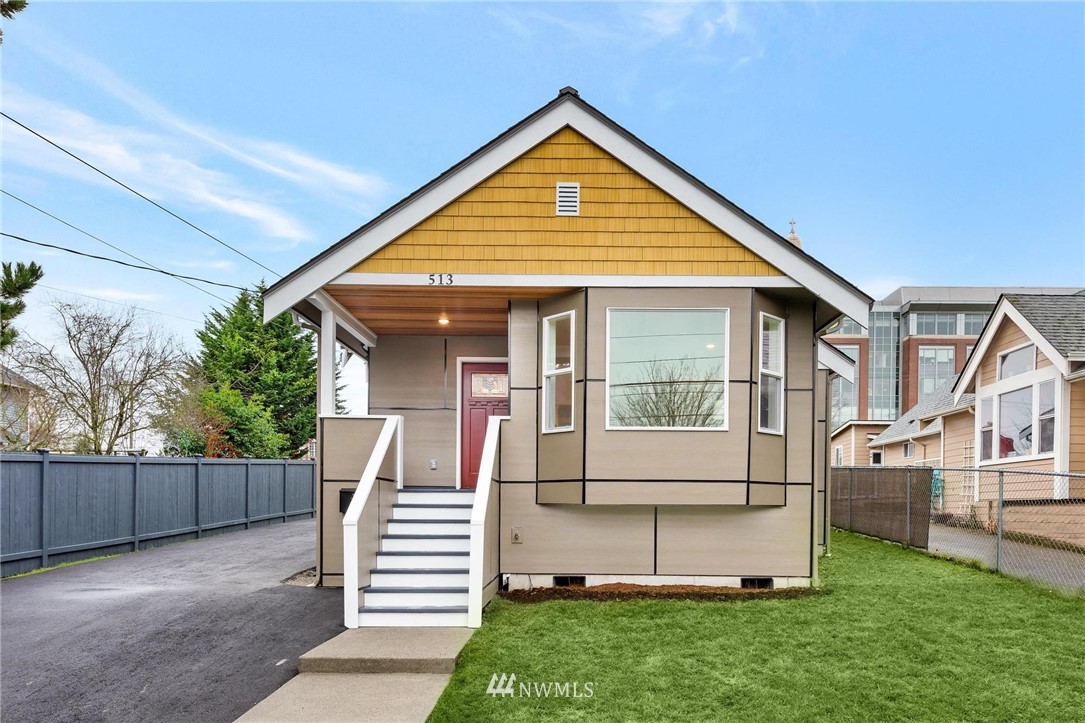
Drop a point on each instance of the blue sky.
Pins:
(913, 143)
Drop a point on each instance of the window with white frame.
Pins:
(1045, 415)
(771, 381)
(935, 368)
(1016, 361)
(987, 429)
(558, 372)
(909, 450)
(667, 368)
(838, 456)
(876, 457)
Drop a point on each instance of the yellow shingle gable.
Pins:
(507, 225)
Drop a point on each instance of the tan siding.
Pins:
(1077, 426)
(1008, 336)
(959, 431)
(561, 454)
(507, 225)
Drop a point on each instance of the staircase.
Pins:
(421, 575)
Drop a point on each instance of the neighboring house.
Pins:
(15, 409)
(652, 351)
(848, 445)
(916, 439)
(918, 337)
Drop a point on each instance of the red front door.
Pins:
(485, 389)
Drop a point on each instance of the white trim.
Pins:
(571, 371)
(351, 324)
(881, 461)
(853, 446)
(781, 375)
(838, 456)
(460, 361)
(567, 280)
(904, 450)
(726, 370)
(1006, 352)
(325, 358)
(566, 186)
(1027, 380)
(1005, 310)
(567, 112)
(476, 565)
(836, 361)
(1062, 430)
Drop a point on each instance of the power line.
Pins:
(118, 303)
(112, 246)
(122, 263)
(132, 190)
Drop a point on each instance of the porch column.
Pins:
(325, 357)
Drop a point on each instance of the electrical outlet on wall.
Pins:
(433, 464)
(517, 535)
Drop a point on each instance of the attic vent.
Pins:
(568, 199)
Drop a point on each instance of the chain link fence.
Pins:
(1024, 523)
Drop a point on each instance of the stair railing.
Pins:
(366, 503)
(483, 571)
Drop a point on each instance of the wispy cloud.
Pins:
(111, 294)
(318, 176)
(209, 265)
(157, 165)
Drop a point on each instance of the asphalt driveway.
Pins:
(199, 631)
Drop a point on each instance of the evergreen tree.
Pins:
(271, 365)
(15, 282)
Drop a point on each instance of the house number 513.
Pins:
(440, 279)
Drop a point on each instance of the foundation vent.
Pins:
(757, 583)
(568, 203)
(569, 581)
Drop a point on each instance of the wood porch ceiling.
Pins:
(470, 310)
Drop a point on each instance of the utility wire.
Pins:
(112, 246)
(132, 190)
(118, 303)
(122, 263)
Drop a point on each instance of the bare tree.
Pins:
(669, 394)
(110, 380)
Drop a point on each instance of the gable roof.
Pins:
(1059, 319)
(1055, 323)
(836, 361)
(936, 404)
(860, 423)
(567, 110)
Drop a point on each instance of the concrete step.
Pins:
(420, 560)
(431, 512)
(429, 527)
(387, 650)
(405, 577)
(425, 543)
(411, 597)
(413, 617)
(415, 496)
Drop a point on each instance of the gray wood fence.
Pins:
(60, 507)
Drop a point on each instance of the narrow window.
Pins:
(987, 429)
(771, 382)
(1017, 362)
(568, 199)
(838, 456)
(909, 450)
(1046, 416)
(1015, 423)
(558, 372)
(666, 368)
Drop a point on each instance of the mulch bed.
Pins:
(624, 591)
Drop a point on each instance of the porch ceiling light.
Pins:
(443, 321)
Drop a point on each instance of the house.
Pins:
(918, 337)
(848, 443)
(585, 366)
(916, 439)
(16, 409)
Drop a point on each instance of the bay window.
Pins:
(557, 389)
(771, 381)
(667, 368)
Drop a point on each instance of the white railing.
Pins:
(480, 514)
(392, 429)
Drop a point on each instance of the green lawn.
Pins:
(895, 636)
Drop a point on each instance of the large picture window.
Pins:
(1024, 418)
(558, 372)
(1015, 423)
(771, 381)
(667, 368)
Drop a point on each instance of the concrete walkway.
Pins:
(390, 675)
(1047, 566)
(198, 631)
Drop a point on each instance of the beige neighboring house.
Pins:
(15, 409)
(848, 446)
(585, 366)
(917, 438)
